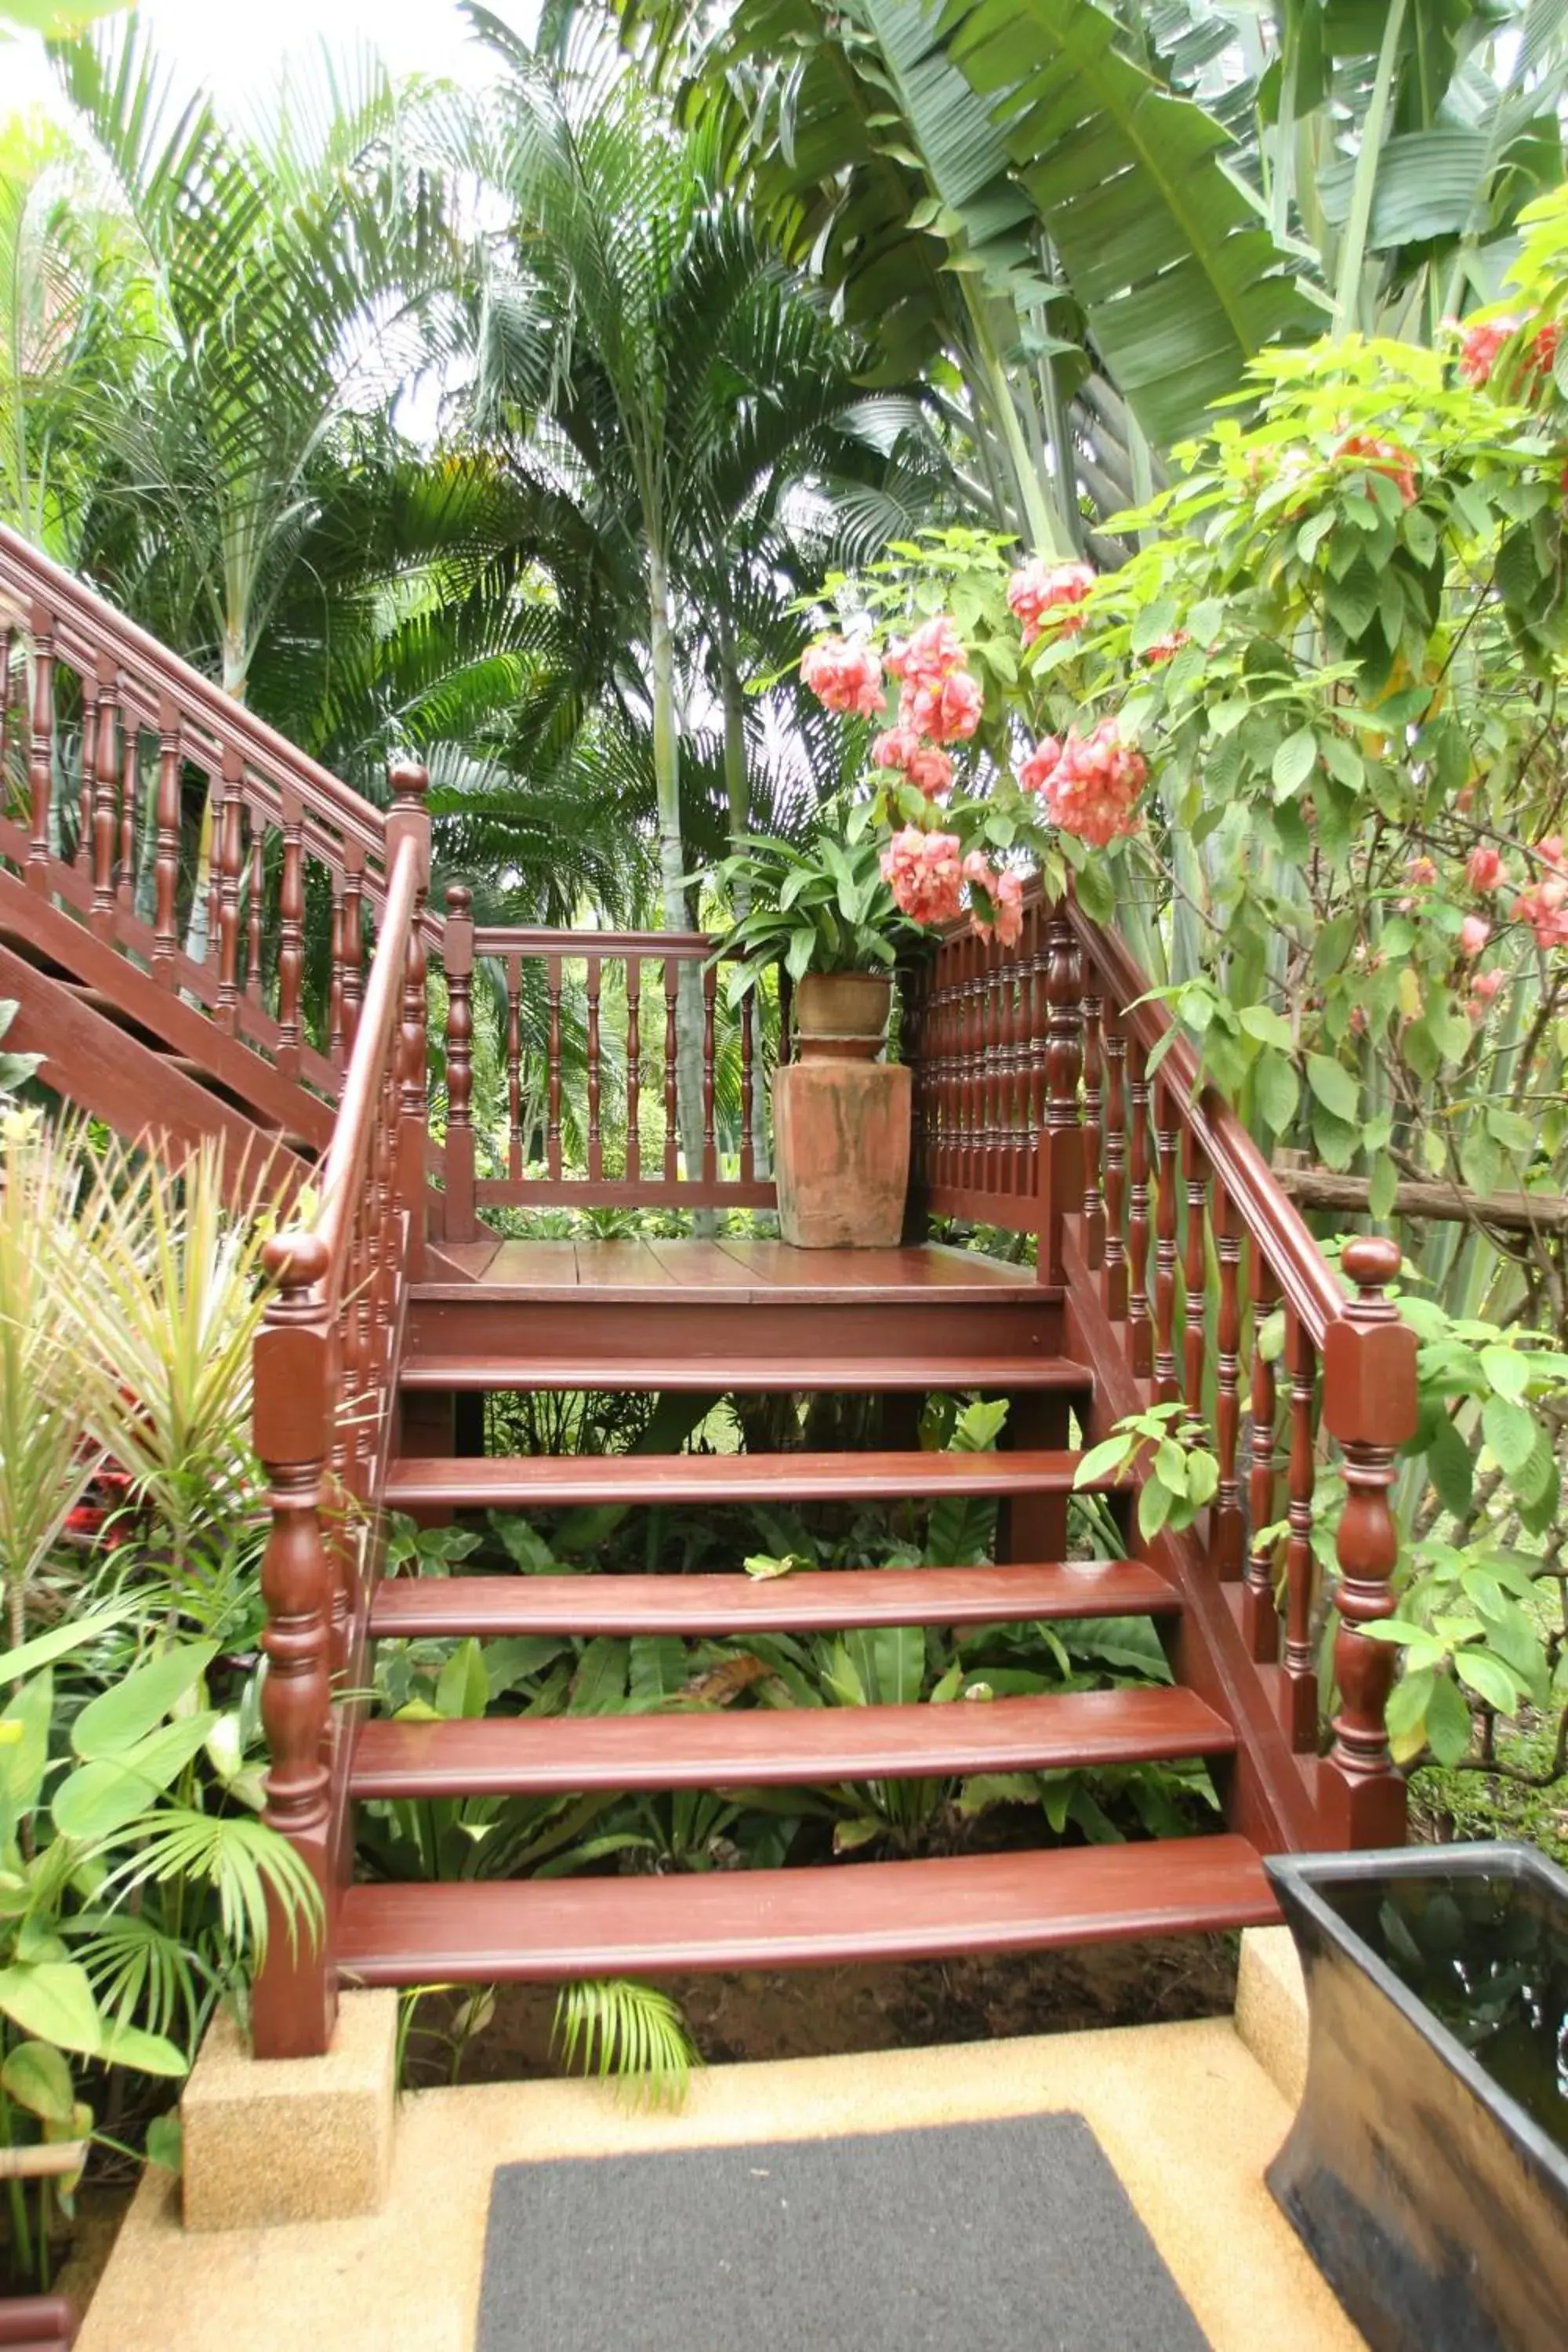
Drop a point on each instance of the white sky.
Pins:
(231, 45)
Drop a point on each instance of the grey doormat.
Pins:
(985, 2237)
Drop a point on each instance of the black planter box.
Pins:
(1433, 2202)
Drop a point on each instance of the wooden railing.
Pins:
(588, 1030)
(181, 828)
(1162, 1221)
(325, 1387)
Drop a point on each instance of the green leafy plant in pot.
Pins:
(823, 914)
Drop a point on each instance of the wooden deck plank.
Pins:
(735, 1372)
(544, 1482)
(766, 1746)
(811, 1600)
(545, 1265)
(933, 1265)
(633, 1264)
(835, 1914)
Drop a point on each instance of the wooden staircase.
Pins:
(1049, 1102)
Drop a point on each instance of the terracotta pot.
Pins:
(841, 1148)
(841, 1016)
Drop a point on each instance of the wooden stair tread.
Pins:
(469, 1931)
(759, 1746)
(809, 1600)
(736, 1369)
(552, 1481)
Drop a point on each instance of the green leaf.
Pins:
(63, 1639)
(463, 1690)
(53, 2002)
(1335, 1088)
(1153, 1508)
(1489, 1678)
(118, 1718)
(1294, 762)
(1451, 1468)
(1448, 1721)
(1508, 1370)
(1510, 1429)
(37, 2078)
(1270, 1028)
(1276, 1091)
(165, 2143)
(144, 2054)
(1383, 1186)
(1103, 1460)
(98, 1799)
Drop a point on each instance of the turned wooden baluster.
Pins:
(6, 643)
(41, 749)
(1195, 1276)
(335, 979)
(457, 948)
(1370, 1405)
(1060, 1173)
(1300, 1680)
(1167, 1388)
(514, 1135)
(1113, 1265)
(255, 911)
(214, 838)
(748, 1010)
(230, 868)
(786, 1012)
(1093, 1129)
(671, 988)
(87, 773)
(634, 1068)
(353, 944)
(1139, 1336)
(129, 792)
(596, 1075)
(105, 787)
(553, 1124)
(1229, 1533)
(1260, 1614)
(291, 937)
(294, 2001)
(710, 1143)
(166, 855)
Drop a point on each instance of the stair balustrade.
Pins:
(164, 826)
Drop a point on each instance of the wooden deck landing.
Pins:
(728, 1273)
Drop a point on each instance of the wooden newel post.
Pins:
(458, 948)
(1370, 1406)
(1061, 1145)
(295, 2001)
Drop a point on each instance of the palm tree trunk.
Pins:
(672, 864)
(738, 791)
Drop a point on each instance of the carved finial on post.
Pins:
(1370, 1406)
(296, 1991)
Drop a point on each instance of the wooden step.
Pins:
(547, 1481)
(736, 1372)
(470, 1932)
(810, 1601)
(780, 1746)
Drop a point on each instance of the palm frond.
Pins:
(632, 2033)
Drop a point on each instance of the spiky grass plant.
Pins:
(629, 2034)
(46, 1464)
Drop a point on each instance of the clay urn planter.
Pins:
(841, 1119)
(822, 913)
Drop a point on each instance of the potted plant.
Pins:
(824, 913)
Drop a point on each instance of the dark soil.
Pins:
(832, 2013)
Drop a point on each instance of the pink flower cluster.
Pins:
(1006, 893)
(1484, 867)
(940, 699)
(1544, 905)
(924, 872)
(1041, 588)
(930, 769)
(1483, 341)
(846, 676)
(1165, 649)
(1091, 787)
(1382, 457)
